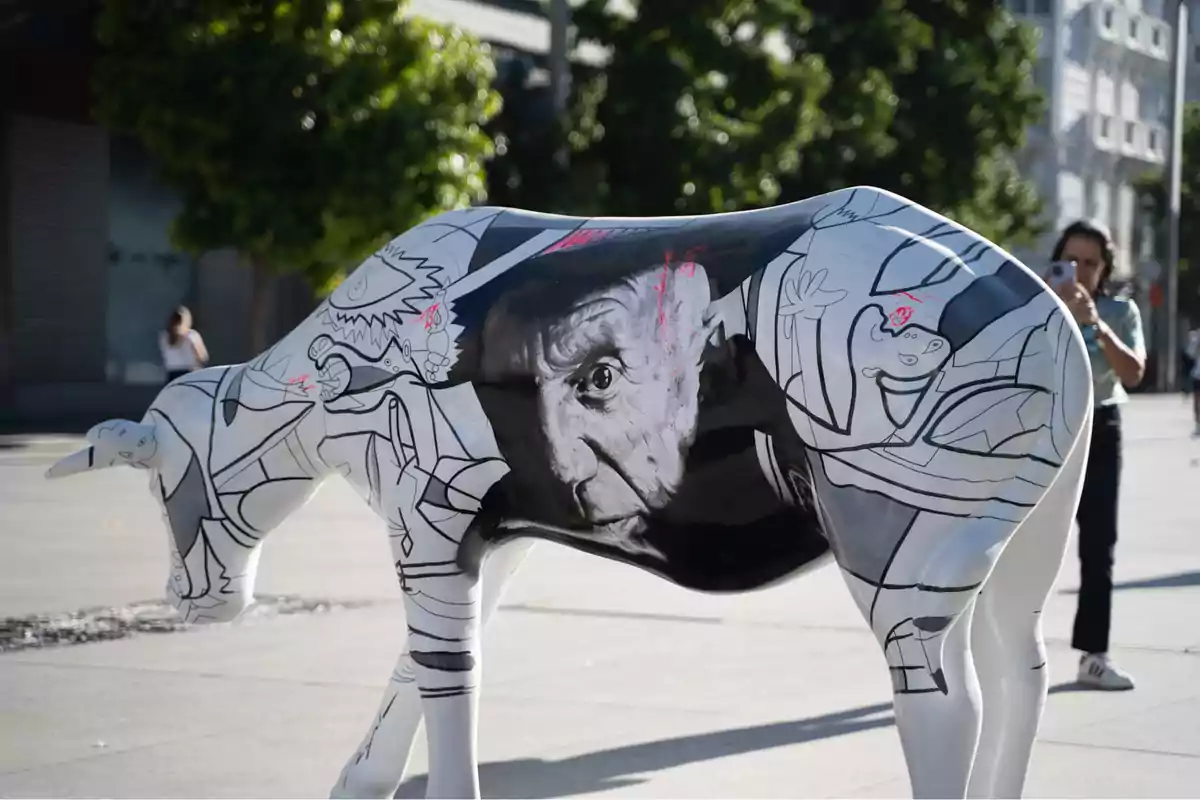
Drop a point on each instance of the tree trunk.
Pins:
(260, 303)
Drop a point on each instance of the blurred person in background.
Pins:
(181, 345)
(1112, 329)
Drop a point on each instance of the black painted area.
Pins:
(725, 530)
(443, 660)
(501, 238)
(932, 624)
(732, 249)
(233, 396)
(186, 505)
(986, 300)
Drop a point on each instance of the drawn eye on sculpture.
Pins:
(598, 381)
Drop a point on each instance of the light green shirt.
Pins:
(1122, 316)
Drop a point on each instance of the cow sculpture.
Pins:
(722, 400)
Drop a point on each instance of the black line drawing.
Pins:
(724, 401)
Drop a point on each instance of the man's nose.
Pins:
(571, 459)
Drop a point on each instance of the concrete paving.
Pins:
(780, 693)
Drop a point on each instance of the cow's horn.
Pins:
(79, 461)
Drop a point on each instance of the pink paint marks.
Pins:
(911, 297)
(688, 267)
(578, 238)
(660, 288)
(900, 316)
(302, 382)
(427, 315)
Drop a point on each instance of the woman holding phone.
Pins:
(1112, 328)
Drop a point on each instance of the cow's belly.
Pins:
(728, 529)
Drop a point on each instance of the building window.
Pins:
(1104, 126)
(1156, 36)
(1041, 7)
(1108, 19)
(1153, 140)
(1196, 52)
(1130, 131)
(1133, 28)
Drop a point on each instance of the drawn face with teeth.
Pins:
(907, 354)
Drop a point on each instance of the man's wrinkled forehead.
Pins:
(518, 341)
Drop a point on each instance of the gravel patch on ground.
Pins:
(156, 616)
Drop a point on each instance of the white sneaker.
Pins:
(1098, 672)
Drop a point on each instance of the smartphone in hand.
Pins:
(1060, 272)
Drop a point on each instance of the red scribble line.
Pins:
(900, 316)
(427, 315)
(578, 238)
(302, 381)
(688, 268)
(661, 288)
(911, 297)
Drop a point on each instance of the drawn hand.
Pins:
(805, 297)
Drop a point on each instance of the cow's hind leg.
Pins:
(378, 766)
(921, 613)
(1010, 653)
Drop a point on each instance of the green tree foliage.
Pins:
(714, 105)
(930, 99)
(1152, 186)
(695, 111)
(302, 133)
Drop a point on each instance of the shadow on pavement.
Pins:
(1176, 581)
(620, 766)
(1072, 686)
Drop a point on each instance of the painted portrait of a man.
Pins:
(627, 409)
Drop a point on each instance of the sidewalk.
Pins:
(781, 693)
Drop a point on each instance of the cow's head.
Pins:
(214, 551)
(117, 441)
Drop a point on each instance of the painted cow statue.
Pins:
(721, 400)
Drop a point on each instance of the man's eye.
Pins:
(599, 379)
(602, 377)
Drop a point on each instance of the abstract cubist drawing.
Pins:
(724, 401)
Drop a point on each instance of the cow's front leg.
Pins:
(378, 766)
(444, 645)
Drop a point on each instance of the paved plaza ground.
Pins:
(600, 679)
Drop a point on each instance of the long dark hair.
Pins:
(1098, 233)
(178, 324)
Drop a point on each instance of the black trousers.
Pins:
(1097, 518)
